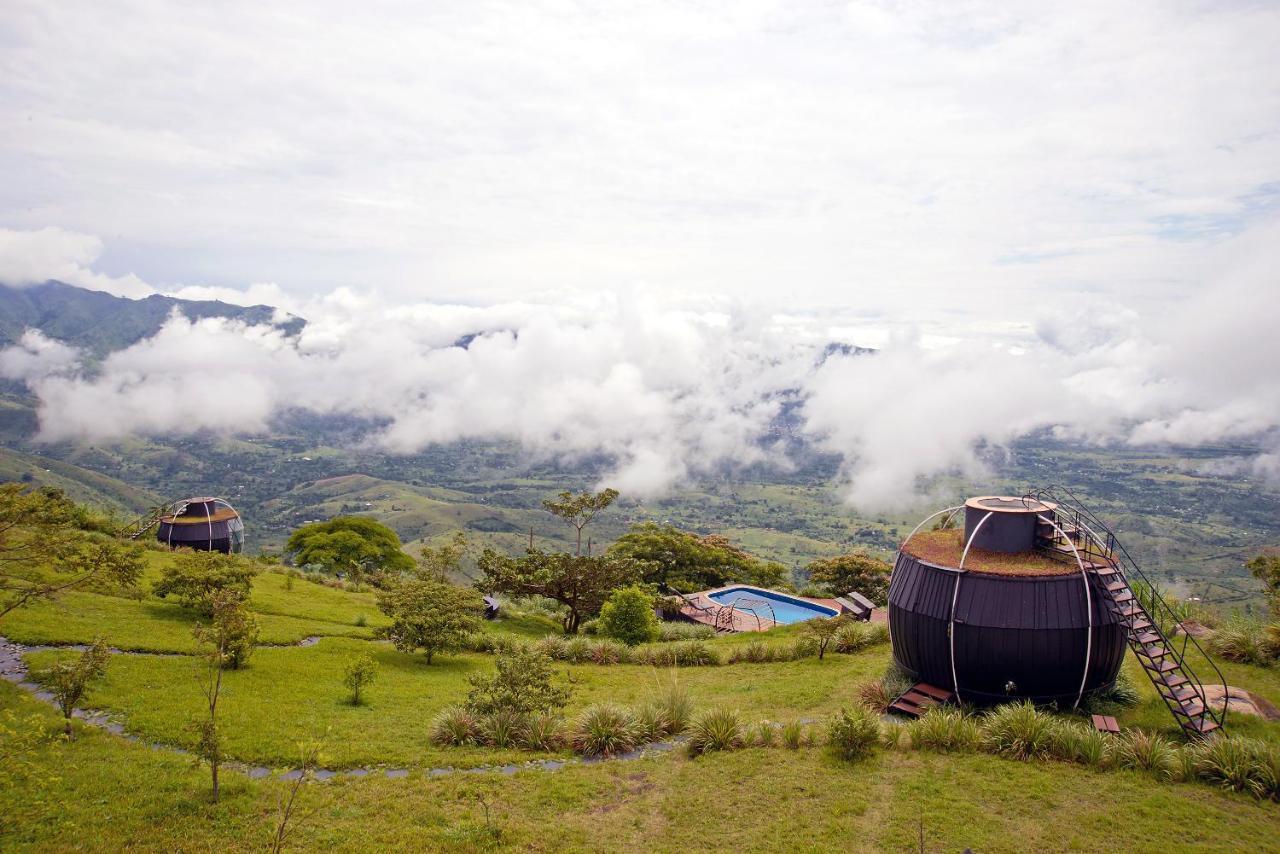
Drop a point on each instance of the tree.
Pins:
(67, 680)
(429, 615)
(42, 554)
(628, 616)
(359, 675)
(196, 578)
(1266, 568)
(438, 563)
(218, 636)
(824, 631)
(578, 510)
(579, 582)
(521, 684)
(683, 561)
(285, 822)
(352, 544)
(853, 573)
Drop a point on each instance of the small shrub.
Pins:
(1147, 752)
(874, 696)
(553, 647)
(792, 735)
(673, 631)
(522, 684)
(194, 577)
(67, 680)
(361, 620)
(502, 728)
(604, 730)
(543, 731)
(945, 731)
(764, 734)
(1018, 730)
(715, 730)
(1076, 741)
(1237, 763)
(1243, 641)
(454, 727)
(628, 616)
(359, 675)
(853, 733)
(590, 627)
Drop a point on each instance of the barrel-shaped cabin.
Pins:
(987, 611)
(203, 524)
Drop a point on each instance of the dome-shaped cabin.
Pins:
(993, 611)
(204, 524)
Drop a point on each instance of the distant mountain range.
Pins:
(101, 323)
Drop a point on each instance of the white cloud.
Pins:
(31, 257)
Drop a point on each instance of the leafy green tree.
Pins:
(359, 675)
(67, 680)
(522, 684)
(356, 545)
(683, 561)
(824, 631)
(628, 616)
(429, 615)
(579, 582)
(195, 578)
(218, 638)
(853, 573)
(1266, 568)
(439, 563)
(43, 554)
(578, 510)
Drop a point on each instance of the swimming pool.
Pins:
(781, 607)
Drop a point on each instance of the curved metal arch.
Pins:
(955, 596)
(1088, 607)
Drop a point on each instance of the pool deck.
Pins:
(744, 621)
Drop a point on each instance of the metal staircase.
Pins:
(147, 521)
(1075, 534)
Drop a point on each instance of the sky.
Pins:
(694, 196)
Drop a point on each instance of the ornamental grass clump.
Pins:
(874, 696)
(607, 652)
(553, 647)
(856, 636)
(716, 730)
(454, 727)
(764, 734)
(543, 731)
(945, 731)
(1243, 641)
(501, 728)
(792, 735)
(1238, 763)
(604, 730)
(853, 733)
(1077, 741)
(672, 631)
(759, 652)
(676, 707)
(691, 653)
(1018, 731)
(651, 724)
(1148, 752)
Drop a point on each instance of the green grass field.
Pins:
(102, 792)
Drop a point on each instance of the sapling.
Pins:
(67, 680)
(359, 675)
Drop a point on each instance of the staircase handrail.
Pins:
(1107, 550)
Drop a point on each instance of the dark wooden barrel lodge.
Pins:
(1026, 624)
(203, 524)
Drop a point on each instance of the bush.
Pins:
(522, 683)
(194, 577)
(945, 731)
(856, 636)
(1243, 641)
(853, 733)
(543, 731)
(896, 680)
(792, 735)
(359, 675)
(1076, 741)
(628, 616)
(673, 631)
(501, 727)
(589, 627)
(604, 730)
(715, 730)
(361, 621)
(430, 616)
(1018, 730)
(1147, 752)
(1237, 763)
(692, 653)
(454, 726)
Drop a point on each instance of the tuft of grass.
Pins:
(874, 696)
(1077, 741)
(673, 631)
(604, 730)
(651, 723)
(1149, 752)
(501, 728)
(1239, 764)
(1122, 695)
(454, 727)
(690, 653)
(764, 734)
(857, 636)
(715, 730)
(1243, 641)
(853, 733)
(792, 735)
(1018, 731)
(676, 707)
(543, 731)
(945, 731)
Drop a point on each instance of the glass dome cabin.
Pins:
(990, 613)
(203, 524)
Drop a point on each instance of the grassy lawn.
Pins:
(750, 800)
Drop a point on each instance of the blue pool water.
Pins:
(785, 609)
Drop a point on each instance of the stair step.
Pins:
(942, 695)
(1153, 651)
(1204, 726)
(1131, 609)
(1139, 625)
(1145, 638)
(1163, 666)
(1191, 709)
(1103, 569)
(905, 708)
(1122, 597)
(1116, 587)
(1188, 692)
(1175, 681)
